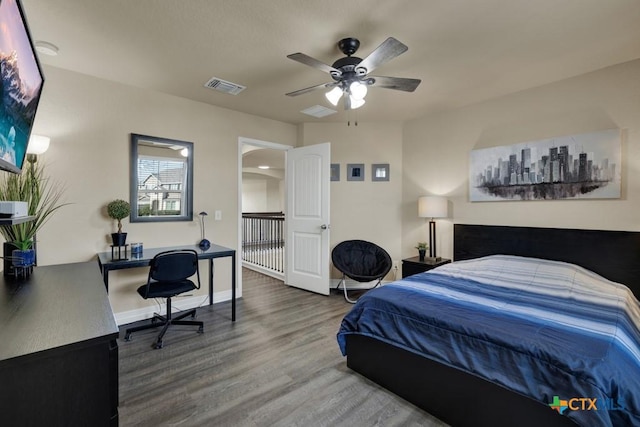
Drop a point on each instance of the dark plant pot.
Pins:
(7, 249)
(421, 254)
(119, 239)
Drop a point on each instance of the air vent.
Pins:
(224, 86)
(318, 111)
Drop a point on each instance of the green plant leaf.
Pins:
(42, 195)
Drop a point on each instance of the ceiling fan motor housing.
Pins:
(349, 45)
(347, 67)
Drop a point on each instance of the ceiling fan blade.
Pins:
(310, 89)
(397, 83)
(388, 50)
(312, 62)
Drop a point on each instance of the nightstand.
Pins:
(411, 266)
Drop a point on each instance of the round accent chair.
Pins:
(361, 261)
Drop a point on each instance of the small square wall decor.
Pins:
(355, 172)
(335, 171)
(380, 172)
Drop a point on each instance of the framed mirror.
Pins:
(161, 187)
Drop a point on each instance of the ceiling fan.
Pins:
(351, 74)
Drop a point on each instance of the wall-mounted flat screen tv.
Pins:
(21, 81)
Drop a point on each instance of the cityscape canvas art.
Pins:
(584, 166)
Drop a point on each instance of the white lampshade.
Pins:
(334, 95)
(358, 90)
(432, 207)
(38, 144)
(356, 103)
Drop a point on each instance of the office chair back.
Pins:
(169, 274)
(173, 266)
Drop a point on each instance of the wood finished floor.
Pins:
(277, 365)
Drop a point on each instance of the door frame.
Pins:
(242, 141)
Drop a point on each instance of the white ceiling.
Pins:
(465, 51)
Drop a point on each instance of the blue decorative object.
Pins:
(23, 257)
(204, 243)
(136, 249)
(23, 261)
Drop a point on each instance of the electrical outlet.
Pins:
(217, 215)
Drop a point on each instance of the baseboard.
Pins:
(177, 303)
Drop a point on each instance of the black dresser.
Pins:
(58, 349)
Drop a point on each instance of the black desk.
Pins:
(107, 263)
(58, 351)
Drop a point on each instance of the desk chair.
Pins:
(361, 261)
(169, 276)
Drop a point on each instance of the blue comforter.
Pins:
(552, 331)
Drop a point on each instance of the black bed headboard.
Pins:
(612, 254)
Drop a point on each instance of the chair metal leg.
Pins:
(344, 288)
(164, 322)
(343, 281)
(127, 336)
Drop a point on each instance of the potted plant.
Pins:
(118, 210)
(422, 249)
(43, 199)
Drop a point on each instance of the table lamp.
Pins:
(432, 207)
(204, 243)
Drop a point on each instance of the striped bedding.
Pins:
(548, 330)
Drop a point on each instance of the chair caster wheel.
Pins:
(158, 345)
(201, 330)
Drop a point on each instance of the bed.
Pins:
(507, 363)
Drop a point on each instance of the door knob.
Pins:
(325, 226)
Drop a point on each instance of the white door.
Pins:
(307, 238)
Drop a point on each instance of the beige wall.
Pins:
(262, 194)
(90, 121)
(436, 152)
(363, 209)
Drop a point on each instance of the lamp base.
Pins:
(204, 244)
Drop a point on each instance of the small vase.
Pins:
(23, 257)
(421, 254)
(14, 260)
(23, 261)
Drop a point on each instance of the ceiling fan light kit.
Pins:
(334, 95)
(356, 92)
(350, 73)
